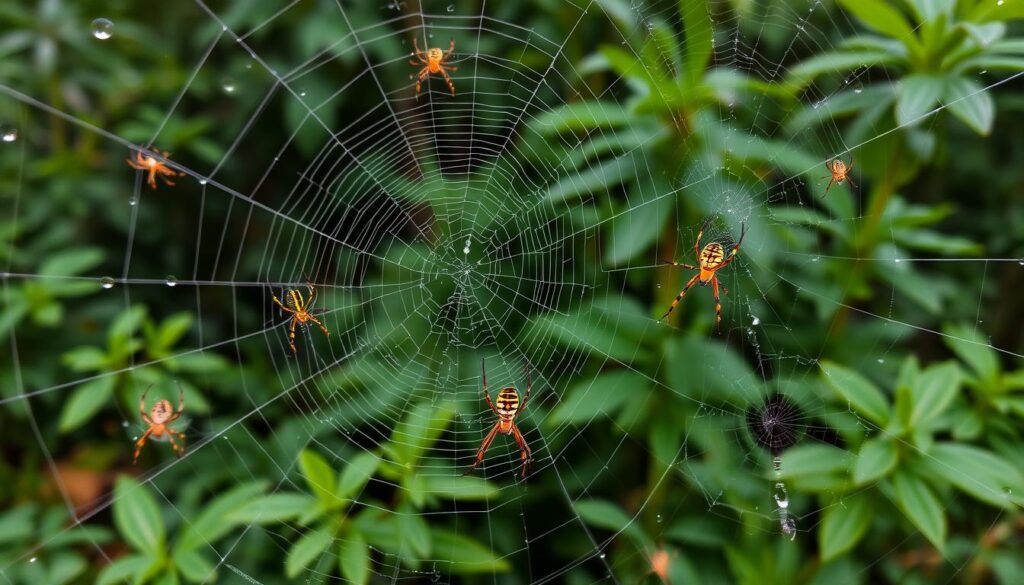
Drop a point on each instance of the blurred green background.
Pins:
(585, 145)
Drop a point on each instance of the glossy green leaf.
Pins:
(633, 229)
(876, 458)
(354, 558)
(461, 555)
(814, 459)
(273, 508)
(970, 346)
(920, 505)
(600, 396)
(194, 566)
(978, 472)
(881, 17)
(356, 473)
(972, 103)
(86, 400)
(933, 392)
(71, 262)
(137, 516)
(863, 396)
(414, 533)
(608, 516)
(918, 95)
(306, 550)
(319, 477)
(215, 519)
(697, 26)
(124, 570)
(460, 488)
(843, 524)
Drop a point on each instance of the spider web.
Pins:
(444, 231)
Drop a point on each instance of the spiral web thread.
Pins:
(435, 213)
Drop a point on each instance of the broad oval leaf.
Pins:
(933, 392)
(918, 95)
(974, 349)
(319, 477)
(355, 475)
(306, 550)
(606, 515)
(460, 488)
(814, 459)
(978, 472)
(137, 516)
(354, 558)
(862, 395)
(85, 402)
(464, 555)
(843, 525)
(215, 521)
(603, 395)
(972, 103)
(920, 505)
(274, 508)
(877, 457)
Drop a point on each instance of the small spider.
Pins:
(710, 260)
(154, 167)
(839, 173)
(300, 308)
(159, 419)
(433, 60)
(508, 408)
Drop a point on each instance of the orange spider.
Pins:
(840, 172)
(159, 419)
(434, 63)
(299, 308)
(154, 167)
(507, 410)
(710, 260)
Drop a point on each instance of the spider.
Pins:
(508, 408)
(299, 307)
(840, 172)
(710, 260)
(159, 419)
(154, 167)
(433, 60)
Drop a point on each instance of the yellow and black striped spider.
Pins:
(710, 260)
(507, 409)
(300, 309)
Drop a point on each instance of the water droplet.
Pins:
(603, 555)
(896, 260)
(999, 2)
(756, 321)
(202, 181)
(465, 250)
(451, 8)
(171, 280)
(107, 282)
(302, 94)
(124, 424)
(781, 495)
(858, 87)
(102, 29)
(9, 134)
(229, 85)
(881, 361)
(133, 200)
(658, 518)
(32, 560)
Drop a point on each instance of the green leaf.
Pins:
(137, 516)
(273, 508)
(972, 103)
(85, 402)
(877, 457)
(843, 524)
(422, 425)
(127, 322)
(414, 533)
(978, 472)
(606, 515)
(355, 475)
(836, 63)
(920, 505)
(814, 459)
(697, 26)
(215, 519)
(973, 348)
(460, 488)
(862, 395)
(172, 329)
(124, 570)
(319, 477)
(306, 550)
(935, 389)
(601, 396)
(919, 95)
(194, 566)
(881, 17)
(85, 358)
(71, 262)
(581, 117)
(637, 226)
(596, 179)
(354, 558)
(466, 556)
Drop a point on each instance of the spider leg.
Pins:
(291, 336)
(736, 248)
(681, 264)
(179, 450)
(312, 295)
(280, 304)
(718, 304)
(849, 167)
(680, 297)
(529, 387)
(416, 45)
(483, 449)
(152, 178)
(448, 80)
(139, 444)
(181, 400)
(321, 325)
(142, 405)
(451, 48)
(525, 454)
(487, 395)
(830, 183)
(416, 63)
(850, 181)
(134, 164)
(423, 75)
